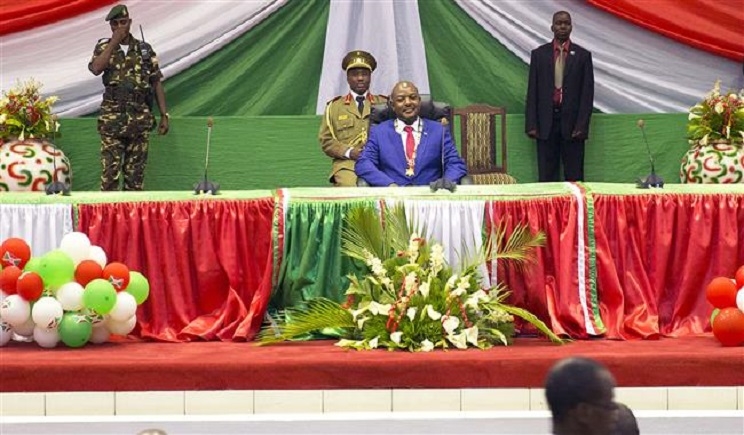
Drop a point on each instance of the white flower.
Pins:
(432, 313)
(458, 340)
(471, 334)
(356, 313)
(396, 336)
(386, 281)
(692, 116)
(374, 342)
(411, 313)
(424, 289)
(377, 308)
(704, 140)
(3, 118)
(450, 323)
(450, 283)
(476, 298)
(360, 322)
(409, 282)
(458, 292)
(436, 258)
(427, 346)
(719, 107)
(464, 283)
(728, 132)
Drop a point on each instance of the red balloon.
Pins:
(721, 292)
(87, 271)
(15, 252)
(30, 286)
(739, 277)
(117, 274)
(9, 279)
(728, 326)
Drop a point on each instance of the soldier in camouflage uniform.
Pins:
(131, 75)
(344, 129)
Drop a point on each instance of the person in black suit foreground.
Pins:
(559, 105)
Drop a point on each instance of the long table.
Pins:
(618, 263)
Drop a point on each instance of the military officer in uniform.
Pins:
(131, 77)
(345, 126)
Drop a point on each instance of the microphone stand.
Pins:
(56, 187)
(206, 187)
(651, 180)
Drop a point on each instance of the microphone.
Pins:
(651, 180)
(56, 187)
(206, 187)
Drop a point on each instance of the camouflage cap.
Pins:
(118, 11)
(358, 59)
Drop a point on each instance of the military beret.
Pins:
(358, 59)
(118, 11)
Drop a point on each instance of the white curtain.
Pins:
(456, 225)
(181, 33)
(42, 226)
(636, 70)
(389, 30)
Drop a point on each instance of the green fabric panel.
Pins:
(313, 265)
(266, 152)
(466, 64)
(273, 69)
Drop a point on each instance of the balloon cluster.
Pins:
(71, 294)
(727, 297)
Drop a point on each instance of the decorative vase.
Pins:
(718, 162)
(30, 164)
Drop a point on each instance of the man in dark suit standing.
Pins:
(560, 98)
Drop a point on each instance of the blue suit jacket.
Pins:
(383, 160)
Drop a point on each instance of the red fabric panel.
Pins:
(549, 288)
(319, 365)
(712, 25)
(209, 263)
(19, 15)
(656, 254)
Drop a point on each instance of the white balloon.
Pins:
(99, 335)
(70, 295)
(15, 310)
(2, 296)
(26, 330)
(6, 333)
(125, 307)
(740, 299)
(98, 255)
(47, 338)
(76, 245)
(121, 327)
(47, 312)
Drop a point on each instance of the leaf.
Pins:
(532, 319)
(316, 314)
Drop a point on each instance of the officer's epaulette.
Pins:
(334, 99)
(383, 96)
(104, 40)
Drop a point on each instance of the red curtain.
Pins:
(656, 254)
(19, 15)
(716, 26)
(209, 263)
(550, 287)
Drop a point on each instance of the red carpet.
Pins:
(143, 366)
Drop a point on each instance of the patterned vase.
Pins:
(29, 165)
(719, 162)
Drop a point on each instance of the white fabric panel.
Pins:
(181, 34)
(42, 226)
(390, 30)
(636, 70)
(456, 225)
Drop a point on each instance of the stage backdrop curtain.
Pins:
(42, 226)
(209, 263)
(656, 254)
(556, 288)
(312, 264)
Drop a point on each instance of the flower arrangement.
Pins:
(718, 116)
(25, 114)
(411, 299)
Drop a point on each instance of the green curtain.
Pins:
(274, 69)
(459, 51)
(313, 265)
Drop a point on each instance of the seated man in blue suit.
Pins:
(409, 150)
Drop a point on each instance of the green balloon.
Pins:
(56, 269)
(713, 315)
(33, 265)
(138, 287)
(74, 329)
(99, 296)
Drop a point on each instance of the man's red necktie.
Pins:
(410, 143)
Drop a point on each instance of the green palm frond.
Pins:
(518, 248)
(532, 319)
(362, 233)
(396, 229)
(316, 314)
